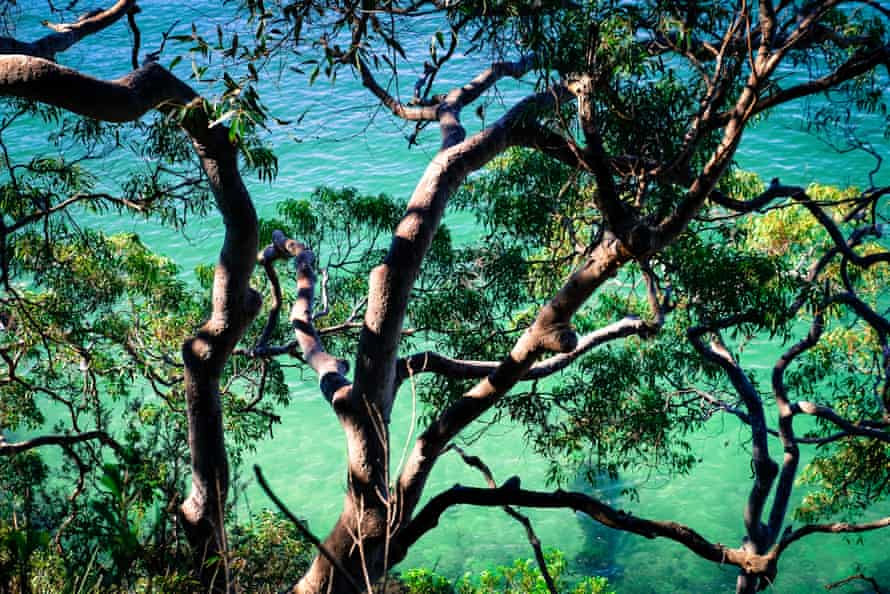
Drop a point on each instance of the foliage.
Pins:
(92, 321)
(523, 577)
(269, 554)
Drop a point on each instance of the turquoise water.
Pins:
(338, 144)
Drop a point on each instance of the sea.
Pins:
(338, 135)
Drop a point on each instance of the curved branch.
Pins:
(432, 362)
(859, 64)
(122, 100)
(331, 371)
(390, 283)
(510, 494)
(746, 419)
(550, 331)
(786, 426)
(63, 441)
(411, 113)
(445, 110)
(597, 159)
(462, 96)
(67, 34)
(828, 414)
(853, 578)
(773, 192)
(765, 468)
(792, 536)
(234, 303)
(843, 245)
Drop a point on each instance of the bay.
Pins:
(345, 138)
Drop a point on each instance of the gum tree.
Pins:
(619, 166)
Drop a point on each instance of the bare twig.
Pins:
(301, 527)
(533, 540)
(853, 578)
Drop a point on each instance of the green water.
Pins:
(340, 145)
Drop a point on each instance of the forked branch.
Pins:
(331, 371)
(533, 540)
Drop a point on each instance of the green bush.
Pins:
(523, 577)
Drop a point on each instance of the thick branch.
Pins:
(331, 371)
(433, 362)
(391, 282)
(67, 34)
(510, 494)
(122, 100)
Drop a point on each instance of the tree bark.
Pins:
(234, 303)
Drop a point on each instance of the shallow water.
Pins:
(337, 144)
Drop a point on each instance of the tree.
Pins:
(627, 147)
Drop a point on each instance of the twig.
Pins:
(533, 540)
(305, 531)
(852, 578)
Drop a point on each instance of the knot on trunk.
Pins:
(558, 338)
(197, 348)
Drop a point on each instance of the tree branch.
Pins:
(533, 540)
(786, 426)
(67, 34)
(792, 536)
(447, 109)
(331, 371)
(550, 331)
(122, 100)
(773, 192)
(765, 469)
(860, 63)
(307, 534)
(853, 578)
(63, 441)
(432, 362)
(510, 493)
